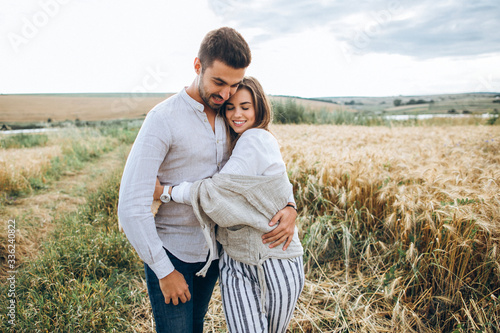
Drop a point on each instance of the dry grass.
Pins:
(17, 166)
(37, 185)
(23, 169)
(39, 107)
(35, 214)
(400, 227)
(403, 224)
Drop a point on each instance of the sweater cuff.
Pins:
(180, 193)
(163, 267)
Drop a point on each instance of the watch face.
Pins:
(165, 198)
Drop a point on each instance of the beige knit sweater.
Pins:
(242, 207)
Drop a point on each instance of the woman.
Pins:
(254, 278)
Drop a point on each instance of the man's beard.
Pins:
(205, 96)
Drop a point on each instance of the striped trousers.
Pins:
(241, 294)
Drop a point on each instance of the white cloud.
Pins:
(304, 48)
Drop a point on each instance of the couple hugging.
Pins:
(228, 210)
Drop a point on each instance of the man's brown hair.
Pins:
(226, 45)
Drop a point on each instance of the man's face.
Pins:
(219, 82)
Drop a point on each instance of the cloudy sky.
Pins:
(312, 48)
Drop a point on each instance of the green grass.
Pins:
(85, 278)
(79, 147)
(291, 112)
(22, 140)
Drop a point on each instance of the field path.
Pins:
(34, 214)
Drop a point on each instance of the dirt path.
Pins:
(34, 215)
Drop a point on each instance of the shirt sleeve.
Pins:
(136, 193)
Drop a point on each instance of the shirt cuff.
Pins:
(292, 199)
(180, 193)
(163, 267)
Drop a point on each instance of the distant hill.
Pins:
(106, 106)
(60, 107)
(422, 104)
(101, 106)
(312, 103)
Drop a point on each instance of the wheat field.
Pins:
(400, 226)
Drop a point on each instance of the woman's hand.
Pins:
(283, 233)
(158, 190)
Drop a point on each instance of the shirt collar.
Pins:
(188, 99)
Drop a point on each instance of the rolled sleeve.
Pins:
(180, 193)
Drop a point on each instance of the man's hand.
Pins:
(158, 190)
(284, 231)
(175, 288)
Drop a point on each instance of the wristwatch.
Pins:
(165, 197)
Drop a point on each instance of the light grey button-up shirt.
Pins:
(177, 143)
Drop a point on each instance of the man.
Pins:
(184, 139)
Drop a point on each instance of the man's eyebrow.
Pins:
(224, 82)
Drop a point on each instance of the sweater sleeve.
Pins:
(256, 153)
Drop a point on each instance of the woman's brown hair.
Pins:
(262, 107)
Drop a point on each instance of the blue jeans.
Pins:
(184, 317)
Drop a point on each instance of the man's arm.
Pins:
(134, 206)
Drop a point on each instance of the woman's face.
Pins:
(240, 111)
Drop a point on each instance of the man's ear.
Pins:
(197, 66)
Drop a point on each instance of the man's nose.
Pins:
(225, 93)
